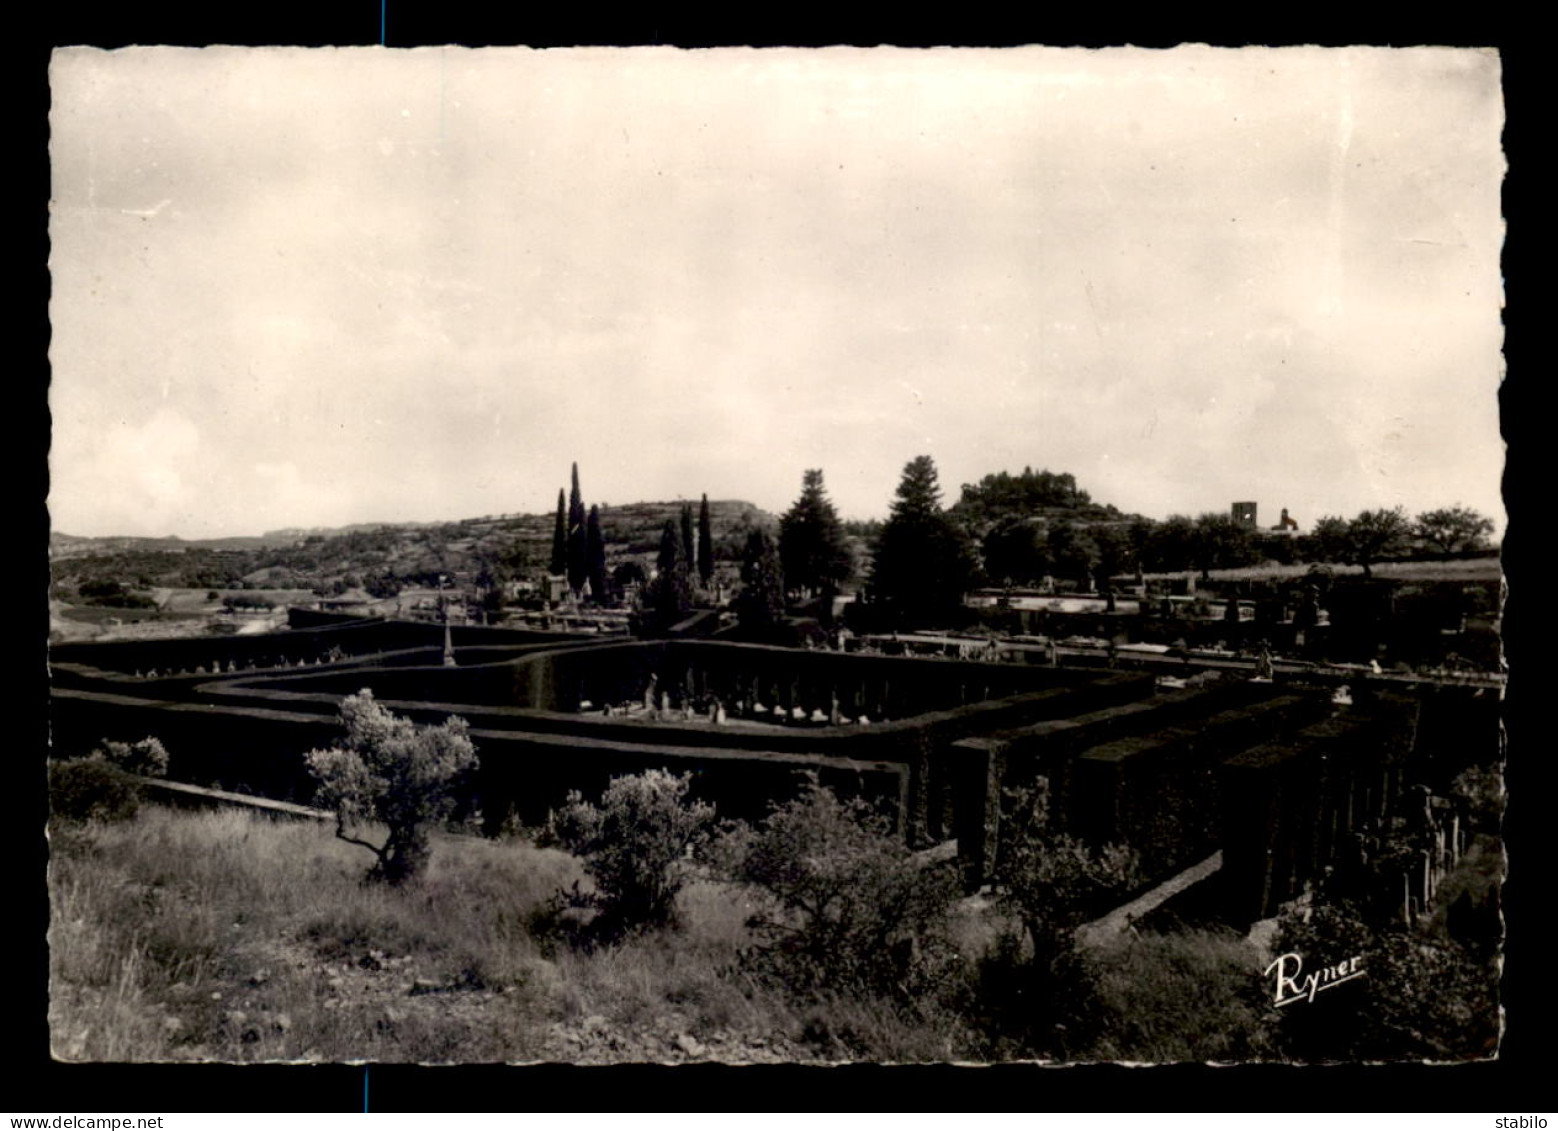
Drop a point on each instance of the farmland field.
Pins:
(1458, 569)
(98, 614)
(195, 600)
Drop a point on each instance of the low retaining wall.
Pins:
(307, 640)
(185, 796)
(528, 775)
(255, 749)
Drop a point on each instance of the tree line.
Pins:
(1018, 530)
(913, 568)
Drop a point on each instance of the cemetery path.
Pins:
(1111, 927)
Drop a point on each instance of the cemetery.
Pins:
(973, 775)
(1279, 775)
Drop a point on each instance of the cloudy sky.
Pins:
(314, 287)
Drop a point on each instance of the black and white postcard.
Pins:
(776, 556)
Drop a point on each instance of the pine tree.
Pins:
(560, 538)
(577, 564)
(924, 563)
(705, 544)
(595, 553)
(812, 547)
(919, 491)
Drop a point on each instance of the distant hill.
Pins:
(365, 553)
(635, 527)
(293, 534)
(63, 545)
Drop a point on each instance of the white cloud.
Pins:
(707, 272)
(144, 478)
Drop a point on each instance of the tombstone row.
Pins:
(232, 666)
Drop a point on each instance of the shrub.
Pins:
(85, 789)
(1035, 987)
(393, 773)
(635, 846)
(148, 757)
(1054, 882)
(1421, 996)
(1480, 791)
(852, 908)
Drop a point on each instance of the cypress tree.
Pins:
(760, 605)
(705, 543)
(595, 551)
(666, 560)
(689, 553)
(560, 538)
(577, 564)
(673, 580)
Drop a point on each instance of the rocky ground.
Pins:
(295, 1005)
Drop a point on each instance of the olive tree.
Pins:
(1051, 881)
(1038, 985)
(1365, 539)
(1377, 534)
(1449, 529)
(635, 845)
(148, 758)
(394, 774)
(849, 907)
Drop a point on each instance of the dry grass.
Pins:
(1191, 996)
(230, 936)
(686, 995)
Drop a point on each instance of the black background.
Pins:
(34, 1083)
